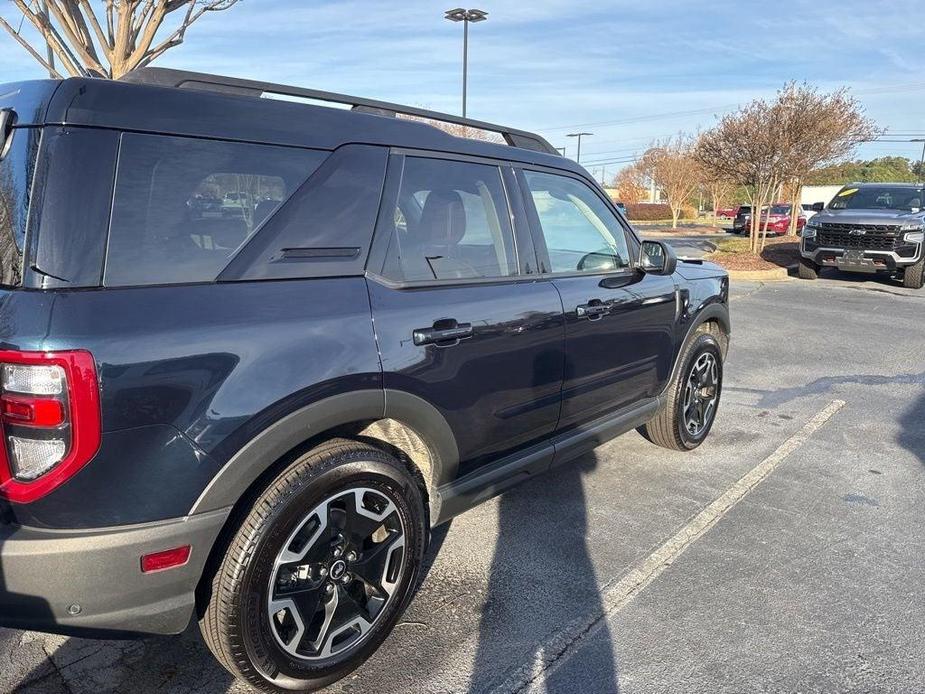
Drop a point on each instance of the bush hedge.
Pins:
(647, 211)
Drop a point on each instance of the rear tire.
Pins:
(319, 570)
(700, 374)
(808, 270)
(914, 275)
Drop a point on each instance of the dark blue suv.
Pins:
(253, 349)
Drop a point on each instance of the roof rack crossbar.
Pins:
(166, 77)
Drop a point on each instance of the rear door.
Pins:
(619, 321)
(462, 319)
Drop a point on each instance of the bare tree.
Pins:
(117, 37)
(818, 129)
(720, 191)
(768, 143)
(674, 168)
(741, 148)
(630, 184)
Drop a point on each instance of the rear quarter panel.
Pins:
(188, 374)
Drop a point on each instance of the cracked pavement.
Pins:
(810, 583)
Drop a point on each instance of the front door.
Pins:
(619, 321)
(458, 322)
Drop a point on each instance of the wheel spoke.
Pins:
(371, 566)
(307, 603)
(330, 609)
(360, 522)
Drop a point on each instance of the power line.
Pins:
(640, 119)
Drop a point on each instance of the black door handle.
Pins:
(444, 333)
(592, 310)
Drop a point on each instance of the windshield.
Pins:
(15, 175)
(907, 198)
(780, 209)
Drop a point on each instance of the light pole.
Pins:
(465, 16)
(579, 136)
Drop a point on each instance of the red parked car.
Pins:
(727, 212)
(778, 218)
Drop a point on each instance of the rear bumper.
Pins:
(46, 574)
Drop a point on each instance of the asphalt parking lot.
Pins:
(786, 554)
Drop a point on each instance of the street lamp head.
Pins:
(579, 134)
(463, 15)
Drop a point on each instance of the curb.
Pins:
(776, 275)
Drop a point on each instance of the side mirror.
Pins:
(818, 206)
(657, 258)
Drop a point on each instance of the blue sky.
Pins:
(628, 71)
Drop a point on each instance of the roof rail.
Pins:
(166, 77)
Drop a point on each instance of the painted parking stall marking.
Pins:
(614, 596)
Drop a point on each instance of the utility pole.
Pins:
(465, 16)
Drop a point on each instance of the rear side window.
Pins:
(182, 207)
(451, 221)
(16, 169)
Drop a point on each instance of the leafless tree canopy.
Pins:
(766, 144)
(674, 168)
(630, 184)
(110, 40)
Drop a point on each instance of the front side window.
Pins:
(581, 233)
(182, 207)
(451, 222)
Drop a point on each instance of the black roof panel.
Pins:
(90, 102)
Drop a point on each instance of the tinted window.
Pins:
(16, 170)
(907, 198)
(581, 233)
(326, 227)
(182, 207)
(451, 222)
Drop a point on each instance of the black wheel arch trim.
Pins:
(715, 311)
(246, 466)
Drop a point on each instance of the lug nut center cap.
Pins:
(338, 569)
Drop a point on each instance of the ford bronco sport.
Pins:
(872, 228)
(255, 413)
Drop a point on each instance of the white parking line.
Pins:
(614, 596)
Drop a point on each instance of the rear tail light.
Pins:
(49, 420)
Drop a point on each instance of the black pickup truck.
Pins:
(869, 227)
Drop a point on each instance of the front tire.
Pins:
(687, 414)
(808, 270)
(914, 275)
(319, 571)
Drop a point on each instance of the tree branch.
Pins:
(25, 44)
(97, 29)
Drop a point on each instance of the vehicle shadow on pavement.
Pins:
(560, 568)
(912, 434)
(34, 608)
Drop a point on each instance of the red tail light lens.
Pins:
(49, 420)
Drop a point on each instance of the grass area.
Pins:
(735, 254)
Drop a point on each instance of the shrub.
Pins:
(647, 211)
